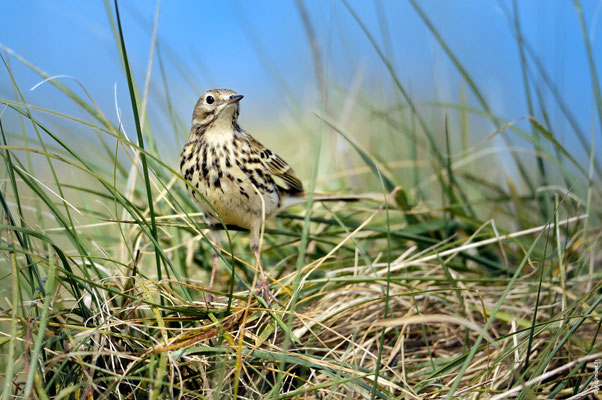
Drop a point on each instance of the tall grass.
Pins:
(443, 281)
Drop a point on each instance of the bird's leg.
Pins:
(264, 285)
(214, 236)
(210, 296)
(215, 258)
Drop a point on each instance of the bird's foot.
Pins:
(209, 297)
(266, 293)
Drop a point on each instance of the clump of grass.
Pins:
(440, 283)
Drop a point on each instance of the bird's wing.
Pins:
(277, 167)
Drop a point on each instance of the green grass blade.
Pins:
(14, 317)
(140, 141)
(43, 321)
(490, 319)
(590, 60)
(471, 84)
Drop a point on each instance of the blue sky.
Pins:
(259, 47)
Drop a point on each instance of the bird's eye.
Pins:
(209, 99)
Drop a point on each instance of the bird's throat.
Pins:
(216, 128)
(223, 128)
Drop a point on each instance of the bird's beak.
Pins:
(234, 99)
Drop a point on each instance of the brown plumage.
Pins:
(240, 181)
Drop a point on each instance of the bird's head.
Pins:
(216, 106)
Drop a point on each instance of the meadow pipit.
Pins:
(235, 174)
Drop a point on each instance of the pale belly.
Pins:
(234, 207)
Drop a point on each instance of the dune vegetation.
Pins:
(468, 268)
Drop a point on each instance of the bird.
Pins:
(232, 177)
